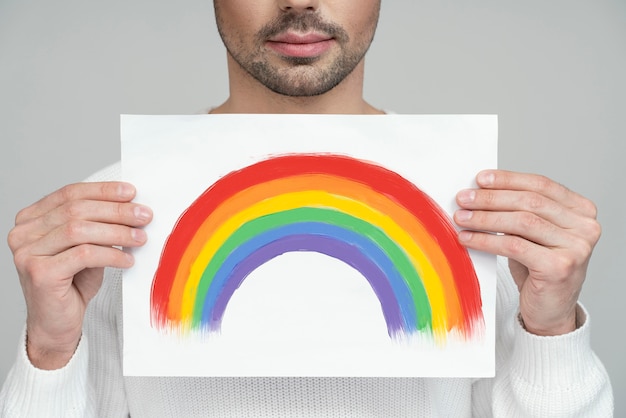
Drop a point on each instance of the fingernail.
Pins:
(465, 236)
(138, 235)
(464, 215)
(130, 259)
(466, 196)
(142, 213)
(125, 191)
(486, 178)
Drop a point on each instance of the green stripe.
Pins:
(264, 223)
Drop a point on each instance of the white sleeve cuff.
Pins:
(560, 373)
(29, 391)
(554, 359)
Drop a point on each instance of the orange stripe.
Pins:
(331, 184)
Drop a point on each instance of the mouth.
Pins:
(296, 45)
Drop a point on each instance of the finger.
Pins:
(535, 257)
(523, 201)
(508, 180)
(121, 213)
(129, 214)
(101, 191)
(510, 246)
(524, 224)
(78, 233)
(542, 261)
(87, 256)
(45, 272)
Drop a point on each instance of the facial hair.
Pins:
(303, 76)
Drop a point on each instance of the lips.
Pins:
(296, 45)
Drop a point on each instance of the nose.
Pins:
(298, 5)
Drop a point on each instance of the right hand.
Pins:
(60, 246)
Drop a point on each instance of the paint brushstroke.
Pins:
(369, 217)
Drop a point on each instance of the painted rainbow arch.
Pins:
(369, 217)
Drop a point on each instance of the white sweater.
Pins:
(535, 376)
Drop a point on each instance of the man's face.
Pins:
(297, 47)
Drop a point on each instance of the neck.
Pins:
(247, 95)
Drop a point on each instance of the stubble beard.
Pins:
(302, 77)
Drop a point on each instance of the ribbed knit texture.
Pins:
(536, 377)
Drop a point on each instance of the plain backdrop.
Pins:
(554, 72)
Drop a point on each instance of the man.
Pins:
(304, 56)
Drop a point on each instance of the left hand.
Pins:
(548, 233)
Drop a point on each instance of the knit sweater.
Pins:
(535, 376)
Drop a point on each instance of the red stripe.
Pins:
(380, 179)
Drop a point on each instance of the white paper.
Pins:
(300, 313)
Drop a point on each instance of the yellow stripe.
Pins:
(314, 198)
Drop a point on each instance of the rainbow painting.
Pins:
(356, 211)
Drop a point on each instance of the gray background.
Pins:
(553, 70)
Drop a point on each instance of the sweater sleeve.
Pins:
(32, 392)
(70, 391)
(538, 376)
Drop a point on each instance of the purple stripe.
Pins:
(322, 244)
